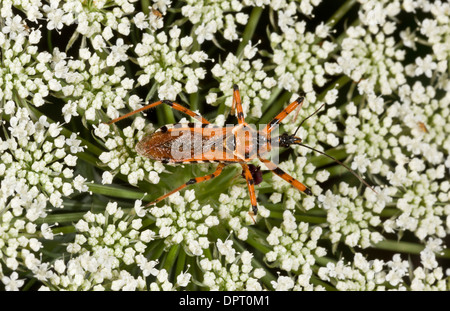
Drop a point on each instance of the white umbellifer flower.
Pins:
(370, 56)
(366, 275)
(297, 58)
(425, 66)
(283, 283)
(183, 279)
(119, 158)
(210, 18)
(184, 221)
(55, 175)
(352, 217)
(360, 163)
(435, 29)
(226, 249)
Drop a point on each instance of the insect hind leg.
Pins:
(192, 181)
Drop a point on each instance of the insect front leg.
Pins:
(294, 182)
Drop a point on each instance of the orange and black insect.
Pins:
(204, 142)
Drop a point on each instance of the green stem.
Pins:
(49, 40)
(337, 170)
(389, 212)
(253, 238)
(88, 158)
(323, 261)
(194, 98)
(302, 218)
(168, 114)
(250, 28)
(64, 230)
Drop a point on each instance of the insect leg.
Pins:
(283, 114)
(237, 105)
(251, 189)
(274, 168)
(191, 182)
(170, 103)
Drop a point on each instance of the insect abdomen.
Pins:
(185, 143)
(156, 146)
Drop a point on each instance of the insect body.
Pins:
(205, 142)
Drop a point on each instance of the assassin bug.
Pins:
(190, 143)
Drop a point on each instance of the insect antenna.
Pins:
(339, 162)
(301, 123)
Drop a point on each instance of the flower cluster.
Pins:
(184, 221)
(85, 83)
(362, 274)
(375, 79)
(304, 172)
(373, 59)
(295, 248)
(36, 169)
(22, 67)
(19, 244)
(209, 18)
(94, 19)
(416, 149)
(234, 272)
